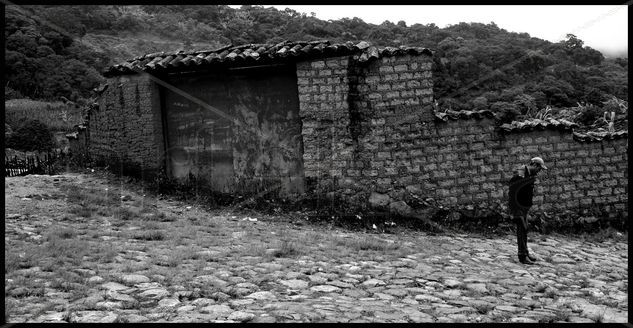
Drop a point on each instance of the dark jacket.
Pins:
(521, 190)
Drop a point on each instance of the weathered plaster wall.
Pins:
(126, 125)
(254, 145)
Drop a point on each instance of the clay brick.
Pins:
(400, 68)
(317, 64)
(383, 87)
(408, 76)
(325, 72)
(386, 69)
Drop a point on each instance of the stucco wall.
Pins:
(126, 125)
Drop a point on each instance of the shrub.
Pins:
(10, 93)
(32, 135)
(589, 114)
(506, 112)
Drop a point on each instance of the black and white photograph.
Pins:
(208, 163)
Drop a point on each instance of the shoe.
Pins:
(525, 260)
(532, 258)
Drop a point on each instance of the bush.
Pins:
(9, 93)
(32, 135)
(506, 112)
(589, 114)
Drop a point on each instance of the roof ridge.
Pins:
(257, 52)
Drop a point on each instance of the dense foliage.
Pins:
(32, 135)
(476, 66)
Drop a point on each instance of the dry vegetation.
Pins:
(58, 116)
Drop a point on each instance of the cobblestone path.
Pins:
(230, 267)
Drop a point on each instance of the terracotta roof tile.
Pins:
(464, 114)
(249, 53)
(537, 124)
(534, 124)
(593, 136)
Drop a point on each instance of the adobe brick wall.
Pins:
(469, 162)
(351, 111)
(127, 124)
(323, 87)
(369, 127)
(381, 136)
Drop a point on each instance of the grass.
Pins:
(287, 248)
(603, 235)
(366, 243)
(599, 317)
(124, 213)
(560, 315)
(584, 282)
(501, 317)
(471, 293)
(540, 288)
(56, 115)
(483, 308)
(150, 235)
(84, 211)
(550, 293)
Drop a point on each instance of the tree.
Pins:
(572, 42)
(236, 27)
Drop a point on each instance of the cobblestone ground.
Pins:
(227, 267)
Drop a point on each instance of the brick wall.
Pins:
(355, 115)
(369, 127)
(126, 125)
(323, 87)
(470, 162)
(382, 137)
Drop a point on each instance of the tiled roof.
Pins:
(249, 54)
(532, 124)
(538, 124)
(599, 136)
(463, 114)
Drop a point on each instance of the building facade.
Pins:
(351, 120)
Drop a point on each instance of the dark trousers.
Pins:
(521, 222)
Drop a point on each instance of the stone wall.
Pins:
(126, 125)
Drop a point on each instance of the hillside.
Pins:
(476, 66)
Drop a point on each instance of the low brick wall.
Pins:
(126, 125)
(470, 162)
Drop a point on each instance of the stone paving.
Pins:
(427, 278)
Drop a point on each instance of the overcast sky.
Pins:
(603, 28)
